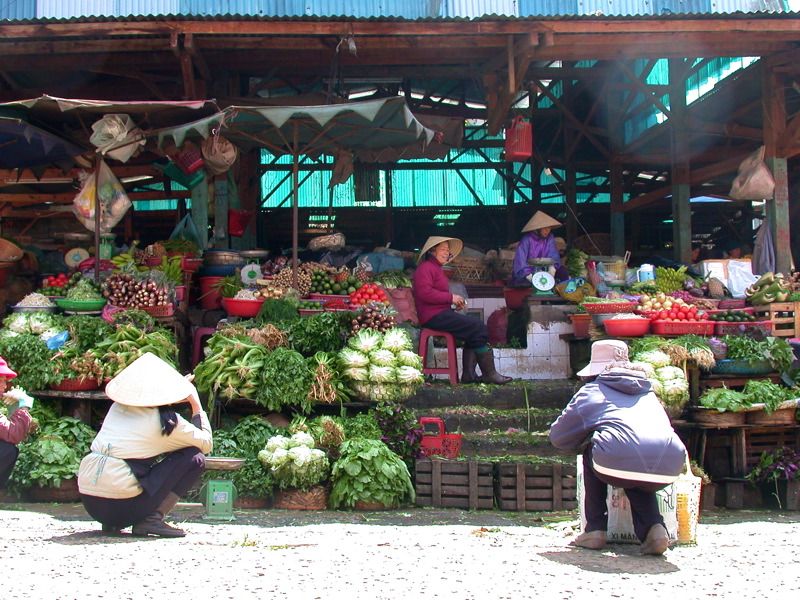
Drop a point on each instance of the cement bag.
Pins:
(117, 136)
(755, 180)
(103, 189)
(620, 522)
(219, 154)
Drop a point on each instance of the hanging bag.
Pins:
(755, 180)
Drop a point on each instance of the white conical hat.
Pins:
(539, 220)
(149, 381)
(456, 245)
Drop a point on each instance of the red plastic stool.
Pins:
(452, 362)
(200, 334)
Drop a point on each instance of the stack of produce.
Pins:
(769, 288)
(380, 366)
(294, 462)
(129, 291)
(127, 343)
(392, 279)
(84, 289)
(337, 282)
(57, 285)
(369, 292)
(375, 315)
(669, 382)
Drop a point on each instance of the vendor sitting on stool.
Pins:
(435, 303)
(538, 242)
(16, 427)
(145, 456)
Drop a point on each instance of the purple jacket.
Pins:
(431, 290)
(630, 433)
(533, 246)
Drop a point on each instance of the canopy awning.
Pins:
(23, 145)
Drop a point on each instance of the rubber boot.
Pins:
(154, 524)
(488, 373)
(469, 361)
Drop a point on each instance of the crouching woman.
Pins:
(145, 456)
(627, 442)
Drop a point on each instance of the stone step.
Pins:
(544, 393)
(503, 443)
(472, 418)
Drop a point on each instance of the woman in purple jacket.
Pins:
(435, 303)
(627, 441)
(538, 242)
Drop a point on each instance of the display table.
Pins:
(77, 404)
(700, 381)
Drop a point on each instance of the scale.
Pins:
(542, 281)
(251, 273)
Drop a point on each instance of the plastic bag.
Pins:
(620, 522)
(187, 230)
(117, 136)
(755, 180)
(740, 277)
(333, 241)
(105, 188)
(219, 154)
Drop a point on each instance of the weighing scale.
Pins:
(251, 273)
(542, 281)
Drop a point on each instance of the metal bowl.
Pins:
(250, 254)
(19, 309)
(540, 262)
(216, 258)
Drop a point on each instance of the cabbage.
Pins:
(353, 358)
(382, 358)
(301, 438)
(356, 374)
(657, 358)
(676, 392)
(408, 375)
(366, 340)
(646, 367)
(396, 339)
(378, 374)
(277, 441)
(408, 358)
(669, 373)
(658, 387)
(17, 322)
(384, 393)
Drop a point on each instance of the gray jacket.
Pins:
(630, 433)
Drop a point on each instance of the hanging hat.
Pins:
(604, 354)
(456, 245)
(149, 381)
(539, 220)
(5, 371)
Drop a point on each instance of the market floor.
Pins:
(55, 552)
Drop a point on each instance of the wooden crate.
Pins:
(454, 484)
(765, 439)
(521, 486)
(785, 317)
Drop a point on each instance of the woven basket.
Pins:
(785, 414)
(711, 417)
(9, 251)
(66, 492)
(470, 269)
(315, 498)
(165, 310)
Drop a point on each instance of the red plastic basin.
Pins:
(236, 307)
(627, 327)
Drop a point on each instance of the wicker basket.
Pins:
(164, 310)
(711, 417)
(470, 269)
(315, 498)
(66, 492)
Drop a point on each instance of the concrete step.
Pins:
(473, 418)
(543, 393)
(495, 442)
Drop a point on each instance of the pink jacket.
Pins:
(431, 290)
(15, 429)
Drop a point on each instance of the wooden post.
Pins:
(200, 211)
(681, 189)
(774, 118)
(617, 216)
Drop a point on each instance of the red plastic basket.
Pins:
(438, 442)
(737, 327)
(165, 310)
(604, 308)
(682, 327)
(189, 159)
(76, 385)
(519, 140)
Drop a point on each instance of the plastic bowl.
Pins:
(627, 327)
(81, 305)
(237, 307)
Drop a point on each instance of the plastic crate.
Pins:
(682, 327)
(439, 443)
(734, 327)
(601, 308)
(729, 366)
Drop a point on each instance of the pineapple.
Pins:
(716, 289)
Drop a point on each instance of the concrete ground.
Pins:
(55, 552)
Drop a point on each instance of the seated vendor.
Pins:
(435, 304)
(538, 242)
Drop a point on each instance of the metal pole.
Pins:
(97, 161)
(295, 202)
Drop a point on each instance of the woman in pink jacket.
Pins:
(13, 429)
(435, 303)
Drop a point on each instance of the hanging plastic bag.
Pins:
(740, 277)
(238, 220)
(755, 180)
(219, 154)
(187, 230)
(117, 136)
(102, 188)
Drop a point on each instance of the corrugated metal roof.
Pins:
(314, 10)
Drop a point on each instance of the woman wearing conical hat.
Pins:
(538, 242)
(434, 304)
(145, 456)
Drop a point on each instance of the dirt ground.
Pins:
(55, 552)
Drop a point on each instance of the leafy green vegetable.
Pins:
(86, 331)
(368, 471)
(776, 350)
(28, 355)
(401, 430)
(724, 399)
(763, 391)
(277, 311)
(285, 381)
(324, 332)
(294, 462)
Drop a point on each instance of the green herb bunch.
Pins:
(401, 430)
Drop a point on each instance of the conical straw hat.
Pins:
(456, 245)
(539, 220)
(149, 381)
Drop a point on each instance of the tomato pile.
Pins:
(680, 312)
(55, 285)
(369, 292)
